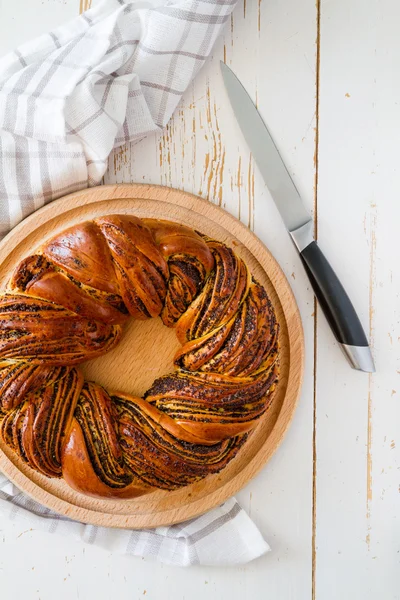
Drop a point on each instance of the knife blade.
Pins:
(332, 297)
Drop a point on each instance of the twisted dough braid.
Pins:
(68, 302)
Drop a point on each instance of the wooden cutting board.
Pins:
(147, 349)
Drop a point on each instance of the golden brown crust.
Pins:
(35, 429)
(66, 303)
(41, 332)
(39, 278)
(140, 267)
(173, 238)
(161, 459)
(78, 470)
(17, 379)
(190, 262)
(220, 298)
(81, 251)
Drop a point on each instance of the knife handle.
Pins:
(337, 308)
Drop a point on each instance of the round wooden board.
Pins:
(147, 350)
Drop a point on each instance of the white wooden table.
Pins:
(325, 76)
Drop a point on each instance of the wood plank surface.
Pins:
(357, 476)
(328, 502)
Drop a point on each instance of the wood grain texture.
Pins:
(271, 45)
(358, 214)
(126, 368)
(84, 5)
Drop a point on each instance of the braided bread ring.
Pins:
(68, 302)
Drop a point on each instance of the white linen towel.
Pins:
(112, 75)
(223, 536)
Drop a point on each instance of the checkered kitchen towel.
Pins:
(113, 75)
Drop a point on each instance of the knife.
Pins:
(330, 293)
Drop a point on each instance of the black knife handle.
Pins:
(332, 297)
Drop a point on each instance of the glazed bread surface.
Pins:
(68, 303)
